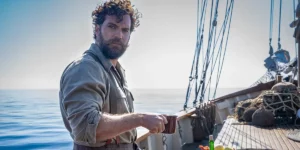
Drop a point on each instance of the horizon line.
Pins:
(150, 88)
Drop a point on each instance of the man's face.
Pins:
(113, 36)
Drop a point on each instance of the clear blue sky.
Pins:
(38, 38)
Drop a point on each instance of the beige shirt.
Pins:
(90, 86)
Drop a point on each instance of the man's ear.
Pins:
(97, 29)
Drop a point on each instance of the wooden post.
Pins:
(278, 78)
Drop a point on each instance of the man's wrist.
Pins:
(140, 119)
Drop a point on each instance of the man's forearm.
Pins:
(112, 125)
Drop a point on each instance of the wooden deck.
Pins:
(245, 136)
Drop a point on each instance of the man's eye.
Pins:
(113, 27)
(126, 30)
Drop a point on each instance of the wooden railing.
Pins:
(184, 114)
(180, 115)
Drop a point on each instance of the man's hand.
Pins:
(154, 123)
(113, 125)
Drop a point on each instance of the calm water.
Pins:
(30, 119)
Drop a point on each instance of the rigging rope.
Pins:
(210, 51)
(214, 46)
(200, 27)
(229, 11)
(294, 8)
(197, 80)
(205, 65)
(220, 48)
(279, 26)
(220, 71)
(271, 28)
(200, 47)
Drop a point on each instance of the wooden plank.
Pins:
(265, 142)
(297, 128)
(259, 140)
(258, 88)
(222, 134)
(249, 142)
(282, 130)
(219, 133)
(241, 136)
(253, 137)
(248, 136)
(272, 136)
(235, 142)
(233, 133)
(180, 115)
(227, 133)
(244, 137)
(185, 113)
(295, 144)
(279, 139)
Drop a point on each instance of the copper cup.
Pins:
(170, 127)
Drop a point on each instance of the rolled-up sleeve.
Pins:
(84, 88)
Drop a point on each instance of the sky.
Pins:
(38, 39)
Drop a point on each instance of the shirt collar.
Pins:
(95, 49)
(107, 64)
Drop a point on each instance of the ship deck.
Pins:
(250, 137)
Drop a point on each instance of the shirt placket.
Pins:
(119, 80)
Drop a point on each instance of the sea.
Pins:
(31, 119)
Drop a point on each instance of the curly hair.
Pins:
(119, 8)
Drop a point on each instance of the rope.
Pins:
(201, 43)
(191, 78)
(214, 46)
(205, 66)
(194, 69)
(271, 28)
(296, 50)
(209, 58)
(202, 79)
(200, 48)
(279, 27)
(213, 52)
(220, 71)
(225, 24)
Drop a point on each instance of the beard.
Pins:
(113, 48)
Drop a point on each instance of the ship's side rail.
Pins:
(184, 130)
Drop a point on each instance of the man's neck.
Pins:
(114, 62)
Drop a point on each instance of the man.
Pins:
(96, 105)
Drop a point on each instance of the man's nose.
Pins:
(119, 34)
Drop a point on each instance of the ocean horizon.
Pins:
(31, 119)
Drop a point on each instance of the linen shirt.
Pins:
(90, 86)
